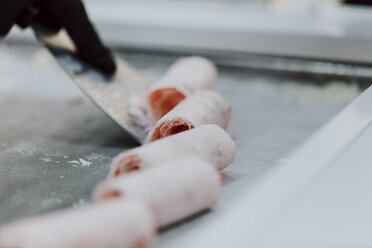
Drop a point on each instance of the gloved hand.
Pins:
(358, 2)
(54, 15)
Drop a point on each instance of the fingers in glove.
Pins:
(9, 12)
(71, 15)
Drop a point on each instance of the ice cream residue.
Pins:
(81, 162)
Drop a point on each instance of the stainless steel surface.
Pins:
(55, 146)
(109, 94)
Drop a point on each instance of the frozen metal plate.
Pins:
(109, 94)
(54, 151)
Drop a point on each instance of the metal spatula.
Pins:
(109, 94)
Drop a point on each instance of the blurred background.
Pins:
(323, 29)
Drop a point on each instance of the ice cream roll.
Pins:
(118, 223)
(173, 191)
(183, 78)
(209, 142)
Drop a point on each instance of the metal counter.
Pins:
(55, 145)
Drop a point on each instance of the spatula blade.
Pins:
(109, 94)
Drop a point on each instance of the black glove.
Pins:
(358, 2)
(54, 15)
